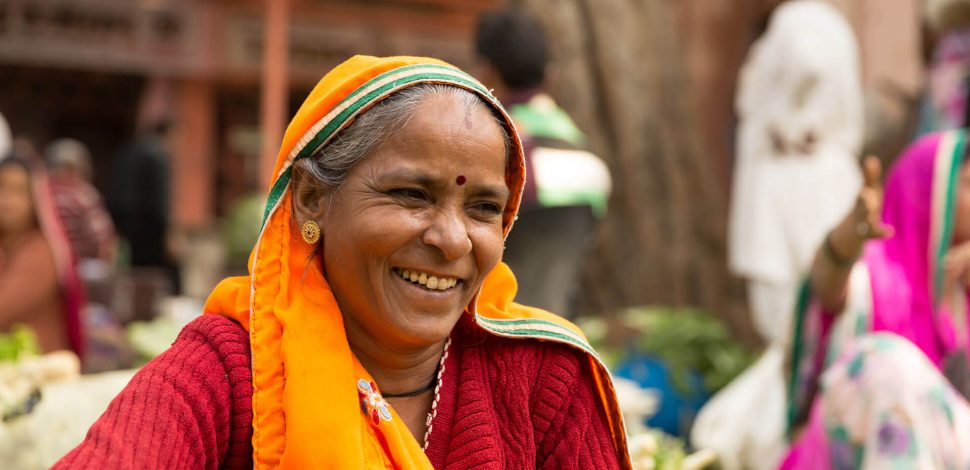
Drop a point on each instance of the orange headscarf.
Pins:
(306, 408)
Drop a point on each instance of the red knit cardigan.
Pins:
(505, 404)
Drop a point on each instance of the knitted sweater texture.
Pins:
(505, 404)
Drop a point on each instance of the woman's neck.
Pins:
(396, 370)
(402, 373)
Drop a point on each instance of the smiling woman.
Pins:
(392, 339)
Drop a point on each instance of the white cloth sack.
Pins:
(745, 422)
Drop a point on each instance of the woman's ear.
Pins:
(310, 198)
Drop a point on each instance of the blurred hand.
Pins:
(844, 245)
(867, 216)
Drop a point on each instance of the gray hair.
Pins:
(330, 164)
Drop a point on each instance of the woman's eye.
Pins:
(408, 193)
(488, 208)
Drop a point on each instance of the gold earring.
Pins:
(310, 231)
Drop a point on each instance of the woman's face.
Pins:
(16, 206)
(425, 205)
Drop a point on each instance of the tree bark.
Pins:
(617, 68)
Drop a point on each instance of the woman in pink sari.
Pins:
(879, 357)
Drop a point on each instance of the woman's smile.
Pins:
(427, 280)
(428, 294)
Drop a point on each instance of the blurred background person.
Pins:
(800, 131)
(880, 367)
(93, 240)
(78, 202)
(38, 284)
(948, 76)
(567, 186)
(140, 198)
(799, 103)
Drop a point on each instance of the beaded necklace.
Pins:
(437, 395)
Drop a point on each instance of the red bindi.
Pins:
(460, 180)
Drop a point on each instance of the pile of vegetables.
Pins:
(17, 395)
(695, 347)
(18, 343)
(687, 340)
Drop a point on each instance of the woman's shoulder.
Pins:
(537, 360)
(215, 327)
(537, 388)
(216, 350)
(209, 344)
(227, 338)
(197, 391)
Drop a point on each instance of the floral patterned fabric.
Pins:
(885, 405)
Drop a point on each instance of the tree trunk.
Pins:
(618, 70)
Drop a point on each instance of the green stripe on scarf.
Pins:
(279, 187)
(359, 103)
(946, 235)
(370, 99)
(532, 328)
(801, 307)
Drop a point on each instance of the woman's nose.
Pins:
(449, 234)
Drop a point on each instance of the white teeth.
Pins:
(429, 282)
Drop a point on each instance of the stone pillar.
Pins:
(716, 36)
(273, 110)
(193, 155)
